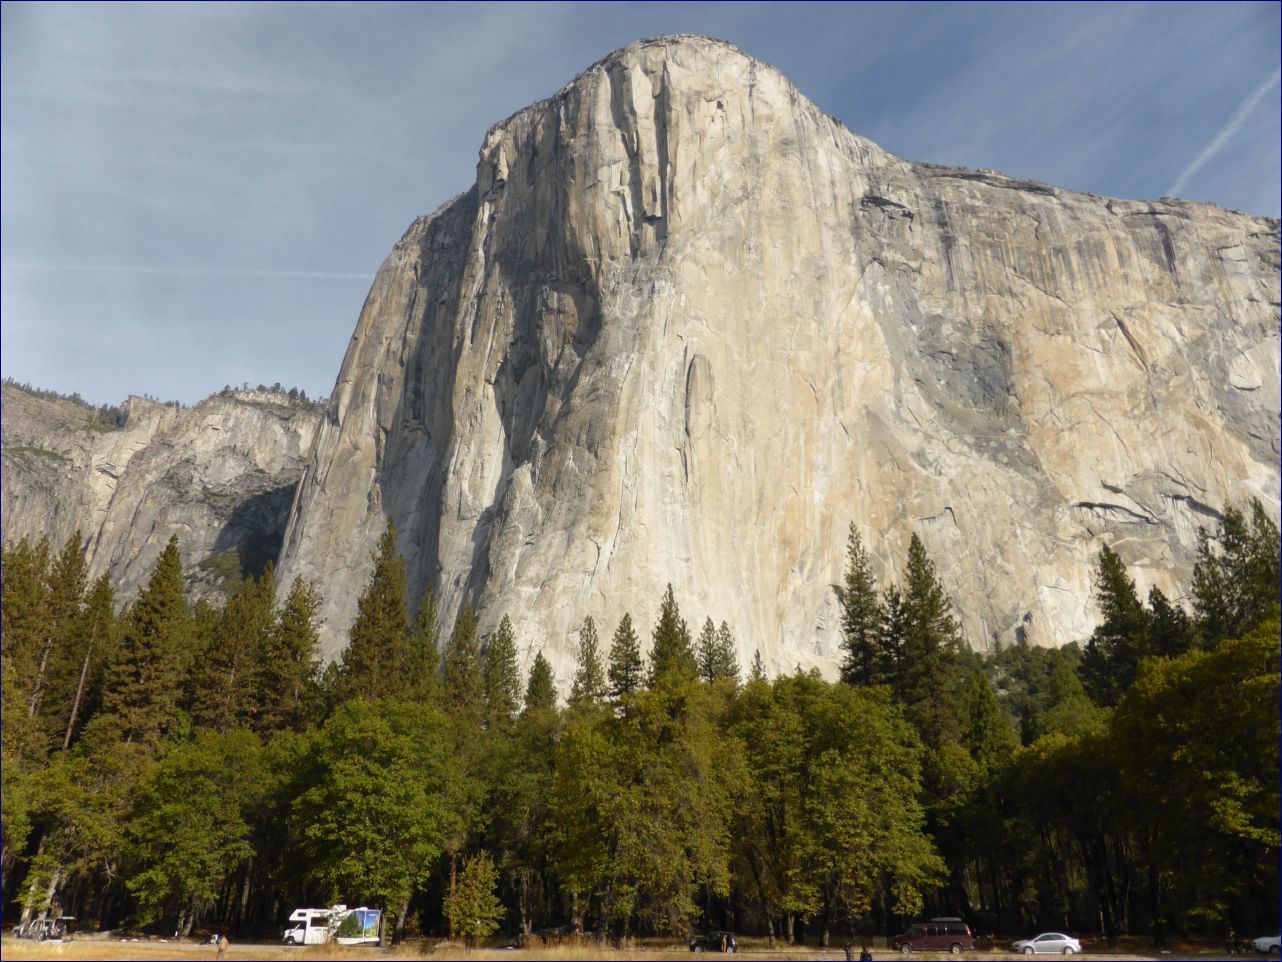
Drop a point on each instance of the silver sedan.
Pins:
(1053, 942)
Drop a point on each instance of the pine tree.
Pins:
(988, 735)
(97, 639)
(540, 694)
(1235, 580)
(706, 651)
(290, 664)
(758, 672)
(374, 662)
(589, 676)
(473, 910)
(1113, 653)
(502, 679)
(860, 617)
(67, 578)
(231, 690)
(463, 685)
(672, 655)
(143, 683)
(1067, 709)
(24, 610)
(627, 669)
(891, 635)
(1171, 632)
(932, 649)
(725, 663)
(423, 657)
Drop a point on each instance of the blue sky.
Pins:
(196, 195)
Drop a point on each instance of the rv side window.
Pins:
(956, 928)
(316, 922)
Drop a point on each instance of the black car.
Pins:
(714, 942)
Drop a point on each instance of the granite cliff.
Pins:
(686, 328)
(221, 475)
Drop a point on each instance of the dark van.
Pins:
(937, 935)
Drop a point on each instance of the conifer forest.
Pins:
(170, 767)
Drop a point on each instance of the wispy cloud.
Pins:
(49, 267)
(1226, 132)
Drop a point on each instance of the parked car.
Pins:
(936, 935)
(1269, 944)
(1055, 943)
(714, 942)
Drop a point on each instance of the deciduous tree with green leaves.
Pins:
(377, 795)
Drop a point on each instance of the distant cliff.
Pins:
(686, 328)
(220, 475)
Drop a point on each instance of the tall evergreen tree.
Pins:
(627, 669)
(1119, 642)
(97, 641)
(540, 694)
(706, 651)
(1236, 578)
(1067, 709)
(672, 655)
(67, 579)
(725, 663)
(374, 662)
(715, 653)
(463, 684)
(502, 679)
(1171, 632)
(589, 676)
(860, 617)
(988, 734)
(758, 672)
(932, 649)
(24, 610)
(290, 664)
(140, 700)
(891, 638)
(231, 690)
(423, 656)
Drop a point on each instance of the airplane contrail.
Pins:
(1227, 131)
(40, 266)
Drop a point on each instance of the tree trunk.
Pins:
(449, 921)
(75, 704)
(243, 906)
(38, 688)
(524, 889)
(1155, 904)
(400, 922)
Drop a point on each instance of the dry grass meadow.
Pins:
(115, 950)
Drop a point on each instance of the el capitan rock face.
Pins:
(686, 328)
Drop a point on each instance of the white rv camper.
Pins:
(339, 923)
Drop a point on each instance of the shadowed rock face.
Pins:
(686, 328)
(220, 475)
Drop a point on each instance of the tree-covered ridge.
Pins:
(108, 416)
(183, 767)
